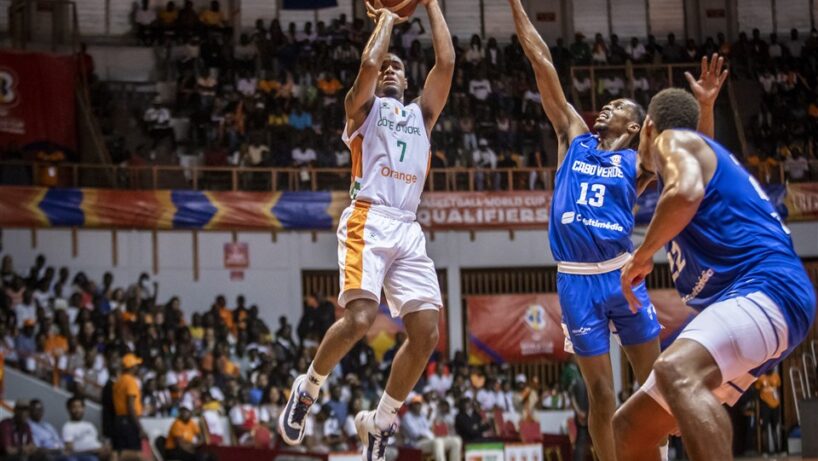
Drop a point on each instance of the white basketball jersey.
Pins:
(390, 155)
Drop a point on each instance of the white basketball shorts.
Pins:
(384, 247)
(742, 334)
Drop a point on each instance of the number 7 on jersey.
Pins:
(402, 146)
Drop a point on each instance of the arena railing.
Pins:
(255, 179)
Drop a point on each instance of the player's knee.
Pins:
(360, 322)
(601, 397)
(623, 428)
(427, 341)
(669, 374)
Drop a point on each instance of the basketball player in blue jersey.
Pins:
(597, 183)
(732, 259)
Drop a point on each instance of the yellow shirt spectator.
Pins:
(212, 18)
(168, 17)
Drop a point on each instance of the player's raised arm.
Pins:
(439, 81)
(359, 98)
(567, 123)
(683, 191)
(706, 90)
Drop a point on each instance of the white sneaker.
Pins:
(373, 439)
(291, 423)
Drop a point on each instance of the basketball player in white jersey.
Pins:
(380, 244)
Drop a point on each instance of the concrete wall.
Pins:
(18, 386)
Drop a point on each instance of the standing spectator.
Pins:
(768, 387)
(672, 52)
(636, 51)
(318, 316)
(168, 16)
(184, 437)
(580, 50)
(468, 423)
(483, 158)
(25, 345)
(213, 16)
(796, 166)
(417, 432)
(579, 402)
(45, 436)
(127, 399)
(475, 54)
(188, 21)
(157, 120)
(80, 437)
(16, 442)
(25, 309)
(145, 20)
(616, 53)
(599, 54)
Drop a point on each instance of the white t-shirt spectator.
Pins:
(157, 117)
(256, 153)
(25, 312)
(796, 167)
(486, 399)
(767, 81)
(440, 383)
(637, 52)
(342, 158)
(613, 85)
(145, 17)
(641, 84)
(247, 86)
(82, 436)
(485, 158)
(303, 156)
(480, 89)
(410, 35)
(582, 85)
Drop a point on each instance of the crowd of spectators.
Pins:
(275, 97)
(118, 345)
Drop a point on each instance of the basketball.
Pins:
(403, 8)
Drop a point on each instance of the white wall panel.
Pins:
(299, 17)
(255, 9)
(629, 18)
(755, 14)
(91, 16)
(4, 15)
(539, 11)
(463, 17)
(791, 14)
(328, 14)
(121, 16)
(591, 17)
(665, 17)
(498, 19)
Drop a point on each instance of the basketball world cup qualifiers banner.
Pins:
(37, 100)
(227, 210)
(515, 328)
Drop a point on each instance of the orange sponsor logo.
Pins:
(398, 175)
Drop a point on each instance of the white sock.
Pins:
(663, 452)
(314, 382)
(387, 411)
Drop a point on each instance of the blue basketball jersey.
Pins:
(735, 245)
(592, 208)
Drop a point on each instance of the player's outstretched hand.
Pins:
(376, 11)
(634, 273)
(706, 89)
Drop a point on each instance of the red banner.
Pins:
(37, 99)
(802, 201)
(236, 256)
(484, 210)
(515, 328)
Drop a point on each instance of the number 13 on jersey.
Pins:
(599, 194)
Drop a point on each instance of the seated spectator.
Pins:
(25, 346)
(580, 50)
(613, 86)
(303, 155)
(44, 435)
(168, 16)
(81, 439)
(145, 20)
(417, 432)
(299, 119)
(616, 53)
(16, 441)
(213, 17)
(184, 438)
(599, 54)
(672, 52)
(469, 424)
(245, 54)
(480, 87)
(330, 88)
(25, 309)
(326, 435)
(692, 51)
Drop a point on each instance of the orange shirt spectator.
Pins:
(227, 315)
(127, 386)
(55, 344)
(768, 386)
(186, 431)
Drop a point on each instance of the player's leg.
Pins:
(362, 264)
(598, 376)
(640, 426)
(583, 298)
(686, 373)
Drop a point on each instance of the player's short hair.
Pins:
(674, 108)
(637, 111)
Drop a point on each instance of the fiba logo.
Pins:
(616, 160)
(8, 88)
(535, 317)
